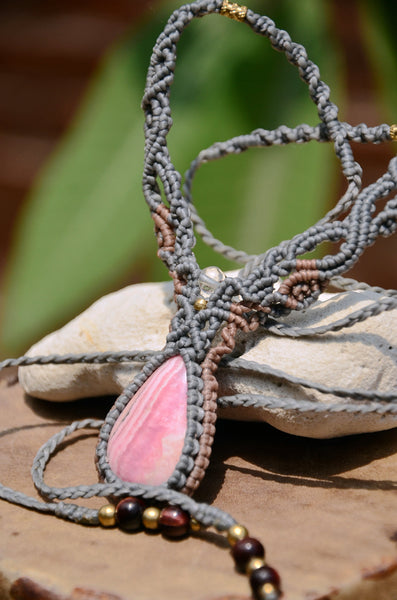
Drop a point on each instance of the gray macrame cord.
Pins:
(353, 222)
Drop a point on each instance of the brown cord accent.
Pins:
(164, 233)
(178, 283)
(210, 390)
(302, 283)
(166, 241)
(255, 306)
(306, 264)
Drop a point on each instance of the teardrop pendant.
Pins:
(147, 439)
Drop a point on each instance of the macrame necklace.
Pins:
(155, 443)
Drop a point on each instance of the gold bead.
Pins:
(393, 132)
(233, 10)
(268, 590)
(254, 563)
(236, 533)
(107, 515)
(195, 526)
(151, 517)
(200, 304)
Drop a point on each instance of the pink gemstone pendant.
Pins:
(147, 439)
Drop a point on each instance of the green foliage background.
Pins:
(86, 228)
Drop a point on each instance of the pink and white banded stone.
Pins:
(147, 439)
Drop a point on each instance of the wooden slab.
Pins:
(326, 511)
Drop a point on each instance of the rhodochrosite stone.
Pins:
(147, 439)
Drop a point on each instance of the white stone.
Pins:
(137, 317)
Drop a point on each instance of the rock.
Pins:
(137, 317)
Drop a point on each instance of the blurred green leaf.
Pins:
(379, 20)
(86, 224)
(85, 219)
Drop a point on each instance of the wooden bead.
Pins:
(244, 550)
(129, 514)
(174, 521)
(107, 515)
(151, 518)
(236, 533)
(265, 583)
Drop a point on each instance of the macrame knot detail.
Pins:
(209, 367)
(302, 284)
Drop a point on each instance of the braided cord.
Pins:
(280, 136)
(383, 304)
(83, 358)
(268, 402)
(352, 393)
(208, 515)
(359, 228)
(379, 402)
(353, 222)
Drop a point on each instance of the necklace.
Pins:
(155, 443)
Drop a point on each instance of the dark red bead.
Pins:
(174, 521)
(260, 577)
(129, 513)
(244, 550)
